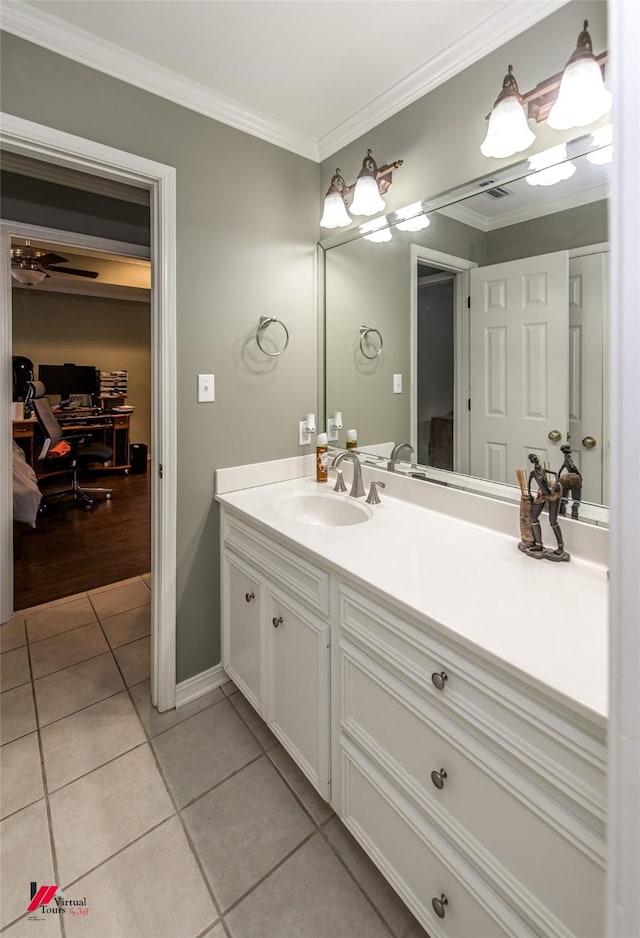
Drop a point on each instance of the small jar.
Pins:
(322, 457)
(352, 439)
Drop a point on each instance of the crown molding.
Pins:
(54, 34)
(61, 37)
(477, 42)
(573, 200)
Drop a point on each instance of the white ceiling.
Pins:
(309, 75)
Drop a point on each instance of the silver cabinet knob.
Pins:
(438, 778)
(249, 597)
(438, 679)
(555, 436)
(439, 904)
(589, 442)
(277, 620)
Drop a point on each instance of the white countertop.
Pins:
(548, 621)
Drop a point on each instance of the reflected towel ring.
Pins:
(266, 321)
(364, 332)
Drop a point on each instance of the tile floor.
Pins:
(190, 823)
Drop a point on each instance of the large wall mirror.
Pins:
(481, 337)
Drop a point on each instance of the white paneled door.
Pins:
(519, 337)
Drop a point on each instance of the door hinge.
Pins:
(159, 470)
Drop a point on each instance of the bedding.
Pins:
(26, 494)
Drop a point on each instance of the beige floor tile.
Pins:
(255, 723)
(17, 713)
(319, 809)
(205, 749)
(216, 932)
(134, 661)
(64, 692)
(61, 618)
(14, 668)
(25, 852)
(118, 584)
(229, 689)
(128, 793)
(54, 602)
(127, 626)
(20, 773)
(120, 597)
(67, 649)
(386, 900)
(85, 740)
(155, 722)
(12, 633)
(152, 888)
(309, 895)
(146, 577)
(47, 926)
(244, 828)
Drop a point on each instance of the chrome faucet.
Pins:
(357, 488)
(394, 454)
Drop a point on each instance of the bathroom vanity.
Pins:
(445, 693)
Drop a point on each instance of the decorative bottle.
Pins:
(322, 457)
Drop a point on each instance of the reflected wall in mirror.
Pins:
(495, 317)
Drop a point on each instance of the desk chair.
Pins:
(80, 454)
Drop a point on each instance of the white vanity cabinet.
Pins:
(477, 790)
(276, 642)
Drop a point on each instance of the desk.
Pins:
(112, 429)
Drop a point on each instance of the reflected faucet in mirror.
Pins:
(395, 454)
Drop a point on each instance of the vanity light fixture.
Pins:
(377, 230)
(582, 98)
(372, 183)
(508, 131)
(548, 168)
(412, 218)
(602, 138)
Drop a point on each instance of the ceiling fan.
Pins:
(30, 265)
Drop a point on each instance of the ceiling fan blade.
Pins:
(47, 259)
(73, 271)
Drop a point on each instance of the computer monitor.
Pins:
(68, 379)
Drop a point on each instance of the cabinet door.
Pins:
(298, 646)
(241, 633)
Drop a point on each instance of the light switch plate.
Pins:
(397, 384)
(206, 388)
(332, 430)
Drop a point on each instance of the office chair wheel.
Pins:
(108, 496)
(88, 507)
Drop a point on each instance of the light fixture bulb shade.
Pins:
(582, 98)
(551, 166)
(27, 276)
(377, 230)
(366, 197)
(508, 131)
(411, 218)
(334, 214)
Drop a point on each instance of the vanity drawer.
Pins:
(493, 812)
(417, 860)
(308, 583)
(566, 752)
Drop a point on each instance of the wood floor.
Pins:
(72, 551)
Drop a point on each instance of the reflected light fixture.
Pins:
(508, 131)
(372, 183)
(548, 168)
(412, 218)
(602, 138)
(376, 230)
(582, 98)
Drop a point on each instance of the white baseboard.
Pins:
(200, 684)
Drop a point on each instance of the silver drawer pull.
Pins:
(439, 679)
(439, 904)
(438, 778)
(276, 621)
(249, 597)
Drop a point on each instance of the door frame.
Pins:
(53, 146)
(460, 266)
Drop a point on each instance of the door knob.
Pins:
(438, 778)
(439, 904)
(589, 442)
(555, 436)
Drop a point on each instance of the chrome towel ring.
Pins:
(265, 322)
(364, 332)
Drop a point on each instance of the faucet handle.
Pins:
(339, 486)
(373, 498)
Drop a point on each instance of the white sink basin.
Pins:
(318, 508)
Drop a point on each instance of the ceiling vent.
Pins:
(498, 192)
